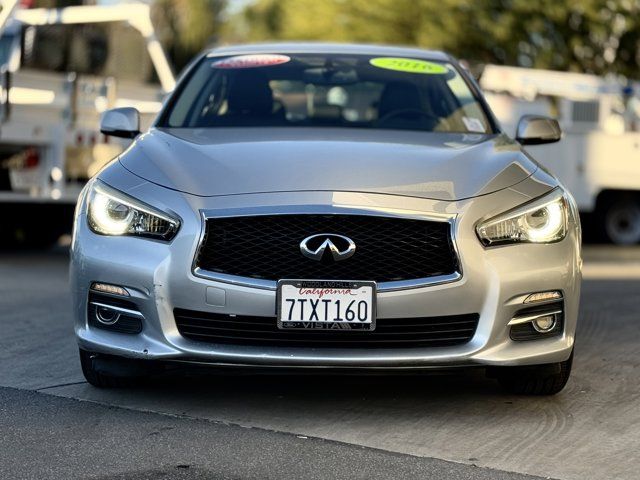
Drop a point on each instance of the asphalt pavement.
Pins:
(54, 425)
(53, 437)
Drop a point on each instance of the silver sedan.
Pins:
(336, 207)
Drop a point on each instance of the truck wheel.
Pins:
(621, 221)
(38, 237)
(35, 225)
(8, 234)
(546, 379)
(103, 373)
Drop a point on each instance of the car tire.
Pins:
(97, 377)
(547, 379)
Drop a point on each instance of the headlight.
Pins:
(111, 212)
(543, 220)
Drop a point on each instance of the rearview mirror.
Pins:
(331, 76)
(537, 130)
(120, 122)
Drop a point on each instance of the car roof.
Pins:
(320, 47)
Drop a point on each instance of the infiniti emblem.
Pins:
(338, 246)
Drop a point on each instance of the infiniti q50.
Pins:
(338, 207)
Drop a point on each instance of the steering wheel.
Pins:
(405, 111)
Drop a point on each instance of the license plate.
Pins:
(336, 305)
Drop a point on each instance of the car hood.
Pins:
(229, 161)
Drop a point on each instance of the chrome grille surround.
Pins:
(265, 284)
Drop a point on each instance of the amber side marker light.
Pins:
(543, 297)
(110, 289)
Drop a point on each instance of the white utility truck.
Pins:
(59, 70)
(598, 159)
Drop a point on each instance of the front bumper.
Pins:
(493, 284)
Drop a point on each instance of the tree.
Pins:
(185, 27)
(594, 36)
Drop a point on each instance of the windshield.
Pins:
(316, 90)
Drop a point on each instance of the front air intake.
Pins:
(420, 332)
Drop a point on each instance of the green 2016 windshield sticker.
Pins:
(410, 65)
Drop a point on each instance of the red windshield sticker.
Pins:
(251, 61)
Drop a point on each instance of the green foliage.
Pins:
(185, 27)
(598, 36)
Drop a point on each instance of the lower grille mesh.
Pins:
(389, 333)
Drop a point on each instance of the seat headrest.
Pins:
(250, 93)
(399, 96)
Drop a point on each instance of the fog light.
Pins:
(111, 289)
(107, 316)
(543, 296)
(544, 324)
(537, 322)
(113, 313)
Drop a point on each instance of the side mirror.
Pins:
(536, 130)
(120, 122)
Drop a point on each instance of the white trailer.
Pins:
(50, 142)
(598, 159)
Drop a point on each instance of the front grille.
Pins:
(389, 333)
(268, 248)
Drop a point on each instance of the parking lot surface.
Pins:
(458, 426)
